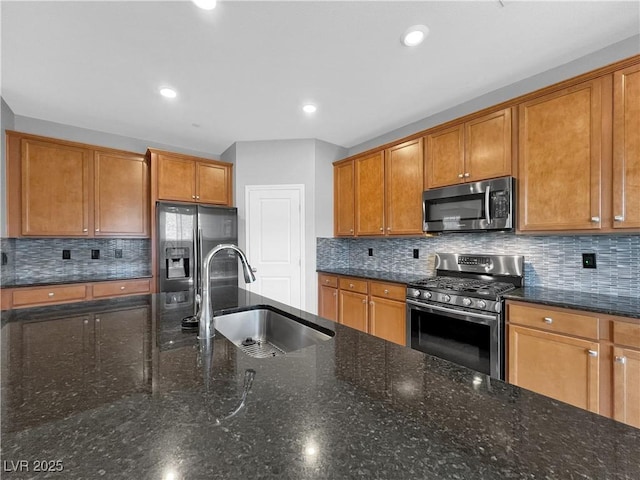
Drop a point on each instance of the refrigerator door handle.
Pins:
(199, 260)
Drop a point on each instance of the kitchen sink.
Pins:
(265, 331)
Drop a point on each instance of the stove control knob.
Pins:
(447, 298)
(415, 292)
(426, 294)
(482, 304)
(466, 301)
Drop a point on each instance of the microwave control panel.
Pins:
(500, 204)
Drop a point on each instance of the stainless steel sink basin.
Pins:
(267, 332)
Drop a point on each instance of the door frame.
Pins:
(303, 250)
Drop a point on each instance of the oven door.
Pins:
(471, 339)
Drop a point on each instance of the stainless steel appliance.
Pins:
(458, 314)
(485, 205)
(185, 234)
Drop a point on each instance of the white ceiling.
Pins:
(244, 70)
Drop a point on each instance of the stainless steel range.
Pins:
(457, 315)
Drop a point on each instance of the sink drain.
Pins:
(260, 349)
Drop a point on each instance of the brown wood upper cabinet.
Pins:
(626, 148)
(380, 193)
(184, 178)
(561, 159)
(59, 189)
(475, 150)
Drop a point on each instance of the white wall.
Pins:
(613, 53)
(281, 162)
(7, 119)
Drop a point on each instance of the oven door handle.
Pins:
(481, 316)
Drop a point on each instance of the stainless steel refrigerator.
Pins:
(186, 233)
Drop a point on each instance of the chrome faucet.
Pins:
(205, 315)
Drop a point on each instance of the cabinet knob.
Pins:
(86, 322)
(592, 353)
(351, 285)
(326, 280)
(386, 291)
(595, 219)
(381, 229)
(122, 287)
(351, 230)
(619, 218)
(335, 294)
(460, 175)
(97, 229)
(548, 320)
(371, 303)
(193, 196)
(51, 294)
(467, 175)
(388, 229)
(97, 320)
(85, 229)
(198, 197)
(364, 300)
(622, 360)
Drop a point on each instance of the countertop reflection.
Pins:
(115, 389)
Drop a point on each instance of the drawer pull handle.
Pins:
(595, 219)
(386, 291)
(548, 320)
(460, 175)
(621, 360)
(364, 300)
(51, 294)
(122, 287)
(351, 285)
(97, 319)
(619, 218)
(592, 353)
(467, 175)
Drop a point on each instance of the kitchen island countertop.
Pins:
(115, 389)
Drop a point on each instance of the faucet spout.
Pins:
(205, 315)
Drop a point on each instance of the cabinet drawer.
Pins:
(42, 295)
(328, 280)
(353, 285)
(554, 320)
(393, 291)
(114, 289)
(626, 334)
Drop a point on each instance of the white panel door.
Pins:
(275, 241)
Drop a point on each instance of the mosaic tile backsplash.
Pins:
(40, 260)
(550, 261)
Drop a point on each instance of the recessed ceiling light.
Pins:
(415, 35)
(205, 4)
(168, 92)
(309, 108)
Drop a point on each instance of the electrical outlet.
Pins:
(66, 254)
(371, 252)
(5, 259)
(588, 260)
(95, 254)
(416, 253)
(118, 253)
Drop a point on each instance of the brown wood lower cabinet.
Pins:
(370, 306)
(582, 358)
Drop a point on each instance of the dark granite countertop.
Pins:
(74, 279)
(374, 274)
(114, 389)
(608, 304)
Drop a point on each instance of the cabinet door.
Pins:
(559, 366)
(560, 160)
(353, 310)
(328, 303)
(344, 198)
(121, 195)
(488, 146)
(213, 183)
(55, 189)
(370, 194)
(626, 386)
(387, 319)
(404, 174)
(176, 178)
(626, 148)
(444, 157)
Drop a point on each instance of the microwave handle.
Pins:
(487, 204)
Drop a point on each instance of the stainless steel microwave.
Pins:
(470, 207)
